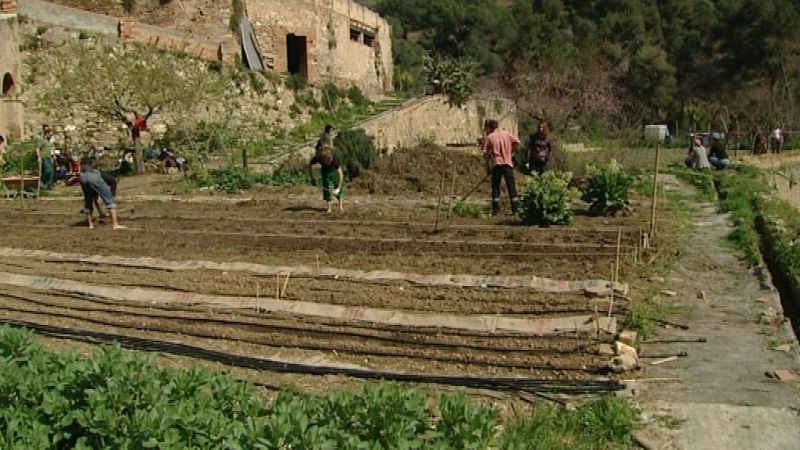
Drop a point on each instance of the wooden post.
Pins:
(39, 182)
(452, 191)
(655, 193)
(285, 284)
(619, 245)
(21, 187)
(611, 300)
(441, 191)
(258, 298)
(244, 157)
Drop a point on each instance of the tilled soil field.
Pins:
(282, 230)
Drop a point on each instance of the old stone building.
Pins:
(11, 108)
(321, 40)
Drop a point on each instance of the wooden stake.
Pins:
(21, 187)
(39, 182)
(317, 264)
(258, 297)
(596, 319)
(285, 284)
(619, 245)
(611, 300)
(277, 286)
(655, 193)
(441, 192)
(452, 191)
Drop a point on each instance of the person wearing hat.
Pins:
(94, 185)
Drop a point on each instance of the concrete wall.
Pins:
(331, 53)
(167, 39)
(432, 118)
(11, 109)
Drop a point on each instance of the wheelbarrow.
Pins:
(19, 185)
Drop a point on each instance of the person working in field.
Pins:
(332, 176)
(698, 155)
(539, 149)
(95, 185)
(498, 148)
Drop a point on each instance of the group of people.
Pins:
(95, 185)
(699, 157)
(776, 140)
(498, 146)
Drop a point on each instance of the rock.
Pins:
(623, 363)
(657, 279)
(783, 348)
(596, 291)
(785, 375)
(606, 350)
(620, 348)
(628, 337)
(770, 317)
(669, 293)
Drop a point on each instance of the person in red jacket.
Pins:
(498, 148)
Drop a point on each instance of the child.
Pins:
(332, 175)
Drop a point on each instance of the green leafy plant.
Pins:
(128, 5)
(449, 76)
(547, 199)
(609, 188)
(472, 210)
(356, 152)
(231, 179)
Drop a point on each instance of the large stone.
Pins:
(628, 337)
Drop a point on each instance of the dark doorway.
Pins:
(296, 55)
(8, 84)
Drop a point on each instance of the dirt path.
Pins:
(723, 398)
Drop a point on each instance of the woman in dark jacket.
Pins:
(539, 150)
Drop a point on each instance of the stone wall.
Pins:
(11, 109)
(167, 39)
(431, 118)
(345, 41)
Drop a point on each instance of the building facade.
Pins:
(324, 40)
(11, 108)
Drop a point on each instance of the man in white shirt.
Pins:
(776, 140)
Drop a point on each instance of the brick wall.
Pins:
(167, 39)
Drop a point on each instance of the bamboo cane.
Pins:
(39, 182)
(611, 300)
(285, 284)
(258, 297)
(655, 193)
(441, 192)
(21, 186)
(619, 245)
(452, 192)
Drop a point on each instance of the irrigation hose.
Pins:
(495, 383)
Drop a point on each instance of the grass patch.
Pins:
(643, 315)
(471, 210)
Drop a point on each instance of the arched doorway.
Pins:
(8, 84)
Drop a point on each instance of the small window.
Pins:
(8, 84)
(369, 39)
(355, 35)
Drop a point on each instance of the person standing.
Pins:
(539, 150)
(776, 140)
(332, 177)
(498, 148)
(44, 156)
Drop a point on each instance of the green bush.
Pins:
(355, 151)
(609, 188)
(128, 5)
(231, 179)
(331, 96)
(283, 178)
(547, 199)
(357, 97)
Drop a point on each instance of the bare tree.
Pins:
(129, 84)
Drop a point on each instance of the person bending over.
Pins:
(94, 186)
(332, 177)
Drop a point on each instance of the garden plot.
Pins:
(374, 289)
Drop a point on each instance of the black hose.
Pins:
(497, 383)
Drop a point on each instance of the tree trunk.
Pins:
(138, 157)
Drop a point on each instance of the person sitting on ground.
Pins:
(93, 186)
(332, 175)
(74, 175)
(698, 156)
(717, 155)
(539, 149)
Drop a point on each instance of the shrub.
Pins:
(128, 5)
(547, 198)
(357, 97)
(355, 151)
(452, 77)
(296, 82)
(231, 179)
(608, 189)
(331, 95)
